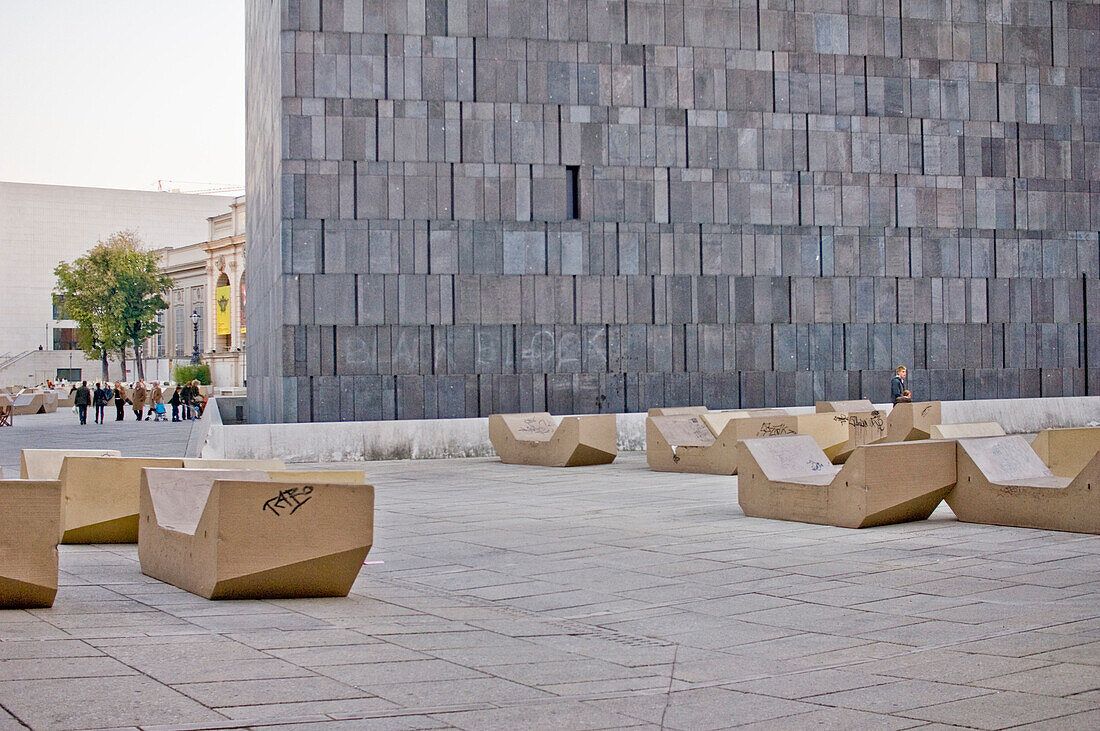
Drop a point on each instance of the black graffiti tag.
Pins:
(768, 429)
(290, 499)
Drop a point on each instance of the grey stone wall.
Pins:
(474, 206)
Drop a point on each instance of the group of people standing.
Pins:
(186, 400)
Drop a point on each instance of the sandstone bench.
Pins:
(1067, 451)
(790, 478)
(45, 464)
(538, 439)
(965, 430)
(100, 489)
(912, 421)
(28, 543)
(26, 404)
(1002, 481)
(237, 534)
(843, 407)
(677, 411)
(707, 443)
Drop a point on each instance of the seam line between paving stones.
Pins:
(17, 719)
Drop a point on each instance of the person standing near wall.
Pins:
(899, 386)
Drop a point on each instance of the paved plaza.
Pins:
(509, 597)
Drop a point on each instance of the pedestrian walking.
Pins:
(82, 398)
(120, 401)
(100, 397)
(138, 399)
(175, 401)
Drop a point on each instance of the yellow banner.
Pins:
(223, 308)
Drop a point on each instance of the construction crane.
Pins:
(177, 186)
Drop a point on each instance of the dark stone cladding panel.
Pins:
(461, 207)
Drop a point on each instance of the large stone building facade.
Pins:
(461, 207)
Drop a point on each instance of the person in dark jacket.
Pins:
(899, 386)
(186, 394)
(175, 401)
(82, 399)
(120, 401)
(100, 397)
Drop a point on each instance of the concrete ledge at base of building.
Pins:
(237, 534)
(28, 543)
(355, 441)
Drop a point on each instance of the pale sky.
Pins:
(122, 93)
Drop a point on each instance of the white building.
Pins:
(42, 225)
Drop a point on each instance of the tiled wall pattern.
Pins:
(470, 206)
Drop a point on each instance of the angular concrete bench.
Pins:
(100, 489)
(684, 443)
(202, 463)
(1002, 481)
(843, 407)
(864, 427)
(912, 421)
(829, 433)
(27, 404)
(790, 478)
(963, 431)
(707, 443)
(45, 464)
(1067, 451)
(677, 411)
(28, 543)
(537, 439)
(237, 534)
(99, 497)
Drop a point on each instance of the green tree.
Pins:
(114, 292)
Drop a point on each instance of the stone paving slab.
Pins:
(608, 597)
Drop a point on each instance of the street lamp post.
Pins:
(196, 358)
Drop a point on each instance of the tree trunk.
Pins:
(138, 359)
(106, 366)
(122, 362)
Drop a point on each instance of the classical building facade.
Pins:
(208, 281)
(460, 208)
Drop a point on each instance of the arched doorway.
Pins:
(223, 311)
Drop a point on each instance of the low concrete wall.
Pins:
(357, 441)
(1025, 415)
